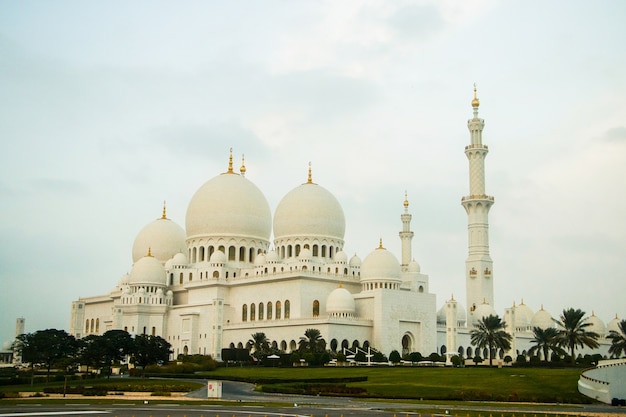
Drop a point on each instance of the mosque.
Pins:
(212, 284)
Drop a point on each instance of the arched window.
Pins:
(190, 276)
(244, 313)
(297, 250)
(323, 251)
(283, 346)
(231, 253)
(421, 288)
(355, 344)
(211, 250)
(97, 325)
(289, 251)
(292, 345)
(153, 331)
(315, 250)
(221, 248)
(287, 309)
(333, 345)
(92, 327)
(195, 255)
(242, 254)
(252, 312)
(330, 252)
(316, 308)
(202, 254)
(216, 274)
(251, 256)
(171, 279)
(443, 349)
(269, 310)
(260, 311)
(144, 330)
(181, 278)
(87, 326)
(344, 344)
(278, 310)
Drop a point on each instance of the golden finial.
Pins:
(452, 299)
(242, 169)
(541, 307)
(149, 252)
(522, 303)
(164, 215)
(475, 102)
(310, 178)
(340, 284)
(406, 199)
(380, 244)
(230, 162)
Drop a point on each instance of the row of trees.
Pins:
(56, 348)
(571, 332)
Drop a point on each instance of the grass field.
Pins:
(472, 383)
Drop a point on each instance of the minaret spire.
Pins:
(164, 215)
(406, 235)
(242, 169)
(478, 266)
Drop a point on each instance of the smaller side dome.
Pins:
(596, 326)
(218, 257)
(340, 257)
(340, 302)
(355, 261)
(179, 259)
(148, 270)
(380, 264)
(124, 280)
(613, 325)
(305, 254)
(483, 310)
(414, 266)
(441, 315)
(542, 319)
(259, 260)
(523, 316)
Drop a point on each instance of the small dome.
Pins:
(124, 280)
(168, 264)
(229, 205)
(597, 325)
(414, 266)
(159, 291)
(441, 315)
(461, 315)
(309, 210)
(162, 237)
(169, 293)
(272, 257)
(218, 257)
(179, 259)
(380, 264)
(483, 310)
(542, 319)
(523, 316)
(6, 346)
(126, 290)
(340, 257)
(355, 261)
(340, 301)
(149, 271)
(305, 254)
(259, 260)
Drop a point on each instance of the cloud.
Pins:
(616, 134)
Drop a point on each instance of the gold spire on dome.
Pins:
(149, 252)
(406, 199)
(475, 102)
(380, 244)
(452, 299)
(164, 215)
(340, 284)
(230, 163)
(242, 169)
(310, 177)
(522, 303)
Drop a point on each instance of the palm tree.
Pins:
(545, 341)
(489, 333)
(572, 332)
(312, 341)
(260, 343)
(618, 340)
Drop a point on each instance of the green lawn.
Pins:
(472, 383)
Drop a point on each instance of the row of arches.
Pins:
(292, 345)
(233, 253)
(317, 251)
(266, 311)
(92, 326)
(470, 352)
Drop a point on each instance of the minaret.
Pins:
(406, 235)
(478, 266)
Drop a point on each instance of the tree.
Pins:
(572, 332)
(489, 333)
(46, 347)
(117, 345)
(545, 341)
(618, 340)
(91, 351)
(148, 350)
(312, 341)
(260, 343)
(394, 356)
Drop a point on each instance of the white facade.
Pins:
(219, 280)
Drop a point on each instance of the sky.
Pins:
(107, 109)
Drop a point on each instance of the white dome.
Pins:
(614, 325)
(6, 346)
(523, 315)
(147, 271)
(309, 210)
(124, 280)
(272, 256)
(340, 257)
(305, 254)
(179, 259)
(218, 257)
(162, 237)
(259, 260)
(597, 325)
(483, 310)
(168, 264)
(380, 264)
(542, 319)
(355, 261)
(461, 315)
(340, 300)
(441, 315)
(229, 205)
(414, 266)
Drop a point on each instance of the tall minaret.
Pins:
(406, 235)
(478, 266)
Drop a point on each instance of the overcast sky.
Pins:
(109, 108)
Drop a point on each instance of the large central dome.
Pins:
(229, 205)
(309, 210)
